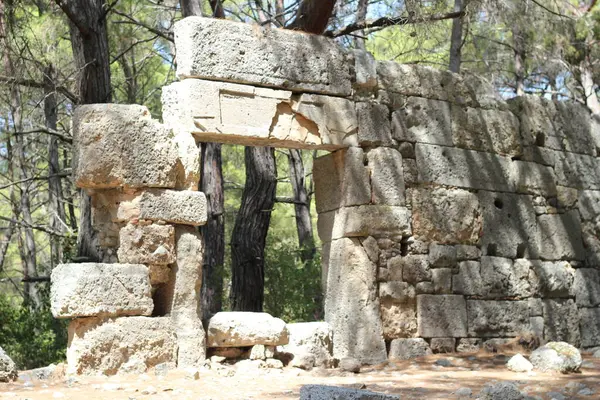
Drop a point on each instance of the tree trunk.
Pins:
(313, 16)
(250, 230)
(306, 239)
(191, 7)
(89, 40)
(456, 39)
(55, 195)
(361, 15)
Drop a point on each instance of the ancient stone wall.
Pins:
(450, 218)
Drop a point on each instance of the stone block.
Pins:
(586, 287)
(591, 241)
(115, 205)
(180, 207)
(365, 69)
(374, 125)
(504, 279)
(260, 56)
(424, 288)
(399, 319)
(239, 329)
(560, 236)
(341, 179)
(415, 269)
(468, 345)
(159, 274)
(314, 338)
(554, 279)
(136, 150)
(441, 316)
(387, 177)
(351, 303)
(147, 244)
(423, 121)
(532, 178)
(363, 221)
(575, 131)
(397, 291)
(220, 111)
(577, 170)
(8, 368)
(489, 318)
(442, 345)
(561, 321)
(121, 345)
(321, 392)
(539, 155)
(446, 216)
(589, 327)
(407, 349)
(536, 307)
(442, 255)
(104, 290)
(509, 225)
(407, 150)
(468, 280)
(537, 326)
(493, 131)
(536, 115)
(409, 167)
(465, 252)
(442, 280)
(589, 204)
(464, 168)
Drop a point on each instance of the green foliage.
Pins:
(32, 338)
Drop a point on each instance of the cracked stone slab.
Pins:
(262, 56)
(107, 290)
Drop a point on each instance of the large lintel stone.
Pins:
(262, 56)
(185, 207)
(122, 146)
(108, 290)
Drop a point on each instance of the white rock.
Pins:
(557, 356)
(238, 329)
(8, 369)
(518, 363)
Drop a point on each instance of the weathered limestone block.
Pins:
(362, 221)
(260, 55)
(115, 205)
(374, 125)
(589, 327)
(424, 288)
(494, 131)
(147, 244)
(586, 287)
(561, 321)
(589, 204)
(591, 241)
(554, 279)
(341, 179)
(442, 345)
(159, 274)
(320, 392)
(468, 280)
(121, 345)
(415, 272)
(539, 155)
(180, 207)
(387, 177)
(577, 170)
(446, 216)
(423, 121)
(104, 290)
(399, 318)
(411, 173)
(537, 326)
(468, 345)
(560, 236)
(185, 302)
(464, 168)
(365, 69)
(536, 307)
(238, 329)
(406, 349)
(8, 368)
(536, 115)
(313, 338)
(136, 150)
(351, 303)
(556, 356)
(575, 129)
(502, 278)
(465, 252)
(489, 318)
(442, 280)
(441, 316)
(509, 225)
(422, 81)
(533, 178)
(397, 291)
(241, 114)
(188, 171)
(442, 255)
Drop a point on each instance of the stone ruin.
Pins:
(449, 217)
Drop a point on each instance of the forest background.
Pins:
(262, 251)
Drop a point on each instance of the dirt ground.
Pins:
(417, 379)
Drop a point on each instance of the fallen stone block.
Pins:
(238, 329)
(8, 368)
(406, 349)
(313, 338)
(147, 244)
(121, 345)
(136, 150)
(180, 207)
(106, 290)
(320, 392)
(262, 56)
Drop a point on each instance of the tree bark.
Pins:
(456, 39)
(304, 228)
(361, 15)
(89, 41)
(313, 16)
(250, 230)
